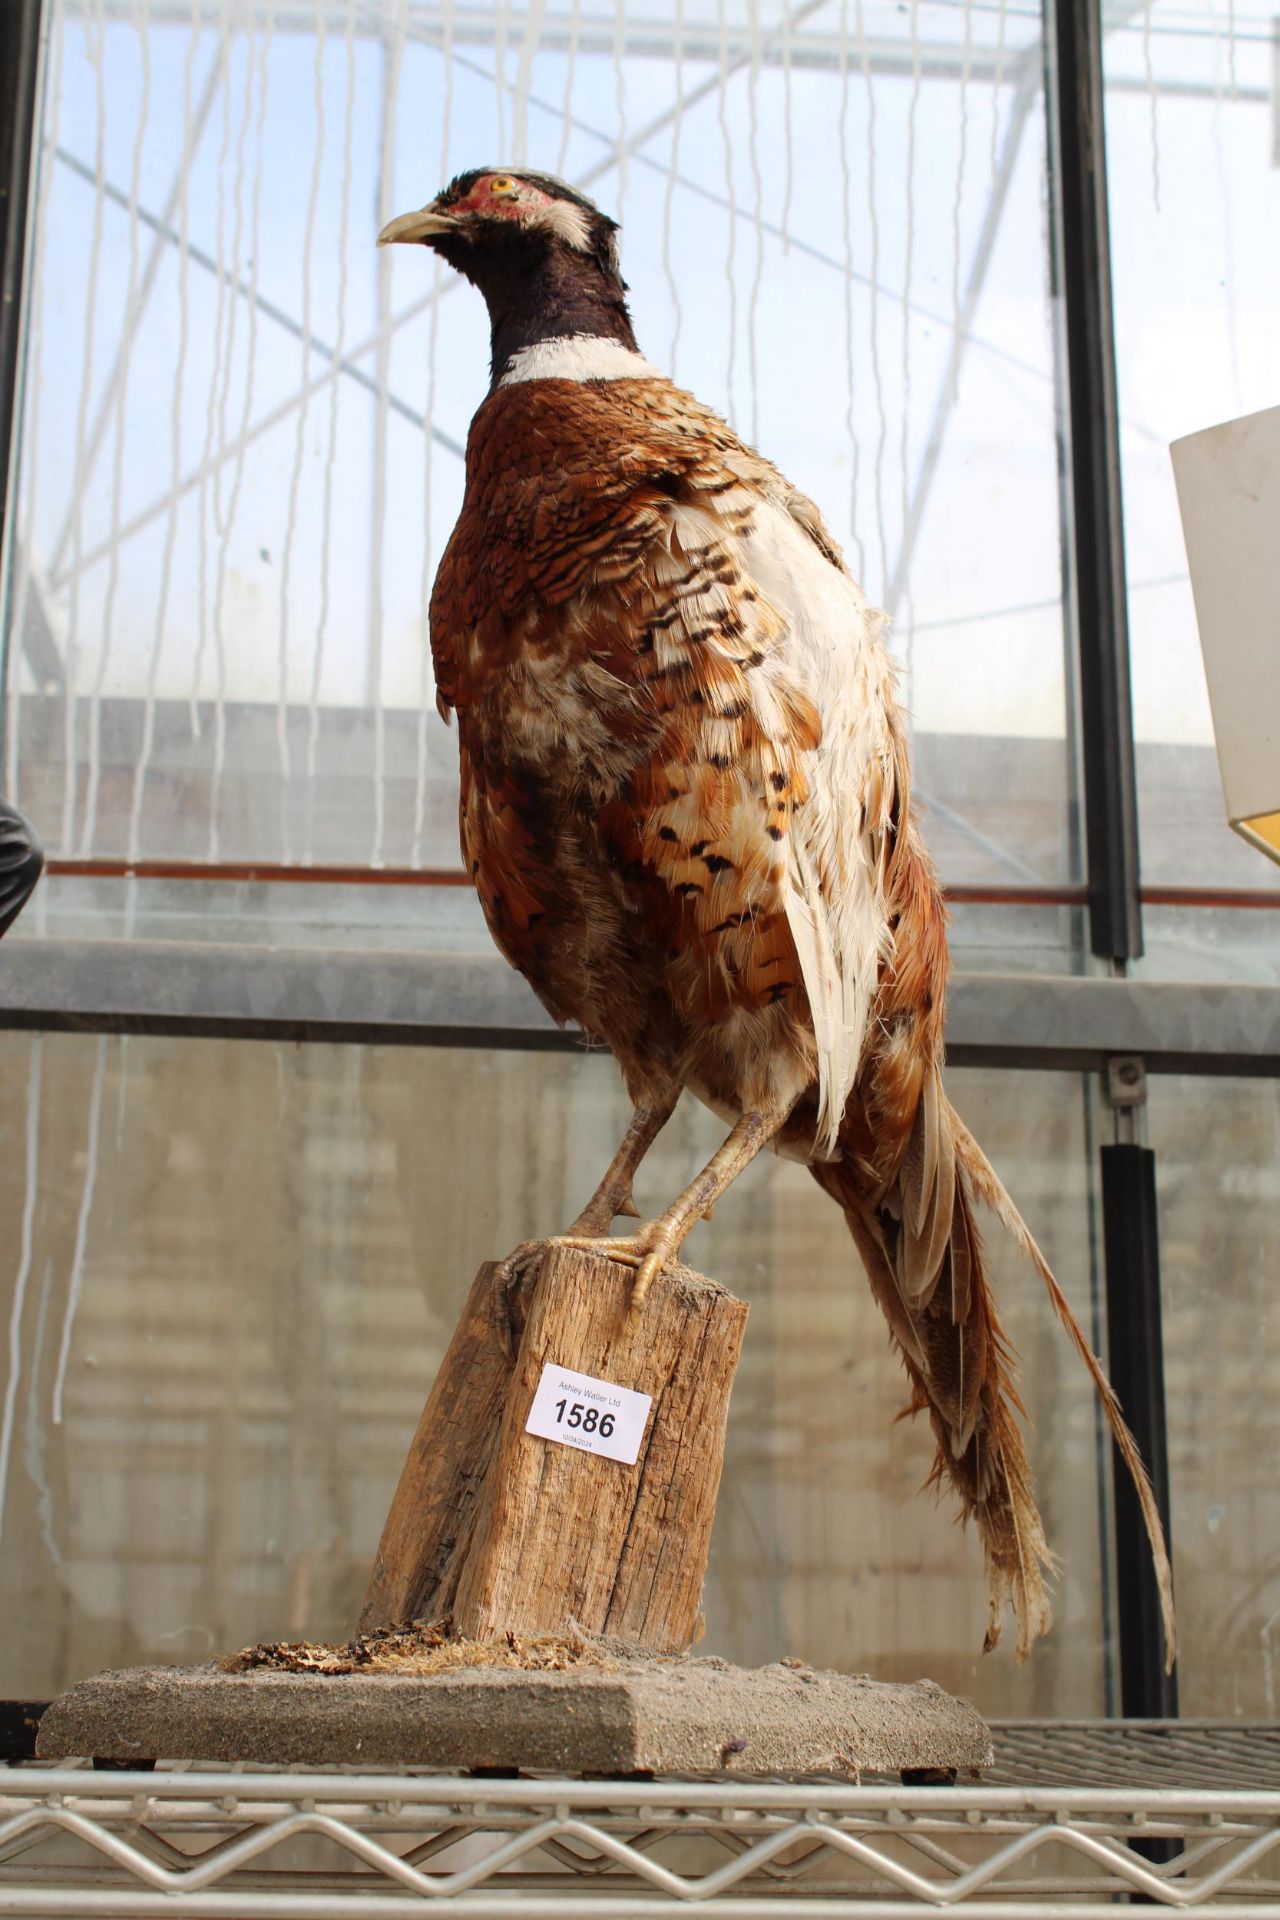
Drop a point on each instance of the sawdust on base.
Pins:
(431, 1647)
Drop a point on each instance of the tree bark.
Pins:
(500, 1530)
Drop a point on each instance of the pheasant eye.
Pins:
(502, 183)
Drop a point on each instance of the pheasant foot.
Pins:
(647, 1250)
(651, 1246)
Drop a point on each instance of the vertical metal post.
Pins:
(1093, 547)
(1096, 591)
(1136, 1365)
(19, 72)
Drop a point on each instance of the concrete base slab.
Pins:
(653, 1716)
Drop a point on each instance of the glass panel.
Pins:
(243, 424)
(232, 1271)
(1218, 943)
(1219, 1229)
(1194, 187)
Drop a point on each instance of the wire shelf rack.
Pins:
(1074, 1819)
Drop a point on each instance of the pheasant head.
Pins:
(544, 257)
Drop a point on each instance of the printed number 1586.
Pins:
(590, 1419)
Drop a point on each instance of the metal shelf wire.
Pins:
(1074, 1819)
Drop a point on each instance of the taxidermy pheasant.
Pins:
(686, 808)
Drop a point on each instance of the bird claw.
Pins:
(662, 1245)
(506, 1277)
(522, 1257)
(648, 1270)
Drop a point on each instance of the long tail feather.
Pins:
(923, 1255)
(961, 1370)
(990, 1188)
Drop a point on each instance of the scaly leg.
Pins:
(651, 1246)
(614, 1196)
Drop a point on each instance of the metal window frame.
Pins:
(1093, 553)
(20, 28)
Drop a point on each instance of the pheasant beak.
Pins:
(425, 224)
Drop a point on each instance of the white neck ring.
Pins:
(578, 356)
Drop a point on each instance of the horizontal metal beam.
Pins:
(1040, 1021)
(1052, 1021)
(560, 30)
(242, 993)
(564, 30)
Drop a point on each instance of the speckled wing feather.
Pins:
(646, 632)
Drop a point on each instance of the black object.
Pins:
(19, 1724)
(1093, 556)
(21, 864)
(1136, 1362)
(19, 67)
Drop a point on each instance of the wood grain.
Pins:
(445, 1469)
(504, 1531)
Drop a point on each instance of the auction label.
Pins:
(592, 1415)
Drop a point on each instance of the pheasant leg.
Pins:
(614, 1196)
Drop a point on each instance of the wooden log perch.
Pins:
(500, 1530)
